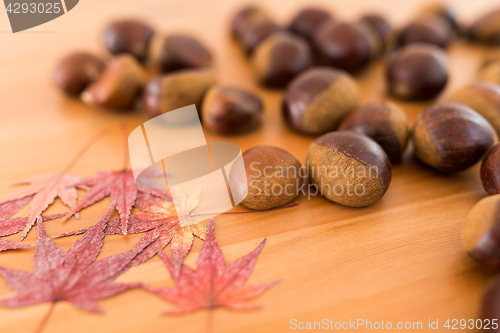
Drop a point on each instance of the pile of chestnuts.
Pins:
(315, 59)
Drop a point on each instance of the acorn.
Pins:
(316, 100)
(427, 29)
(176, 52)
(347, 46)
(349, 168)
(381, 27)
(76, 71)
(451, 137)
(307, 21)
(490, 171)
(172, 91)
(272, 178)
(417, 72)
(486, 28)
(481, 232)
(386, 123)
(279, 58)
(490, 72)
(118, 85)
(482, 97)
(231, 111)
(128, 36)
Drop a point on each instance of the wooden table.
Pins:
(400, 260)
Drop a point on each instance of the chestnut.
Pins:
(241, 17)
(347, 46)
(128, 36)
(490, 171)
(272, 177)
(490, 303)
(172, 91)
(417, 72)
(279, 58)
(482, 97)
(486, 28)
(118, 85)
(481, 232)
(251, 26)
(175, 52)
(307, 21)
(490, 72)
(440, 9)
(427, 29)
(230, 111)
(382, 28)
(451, 137)
(76, 71)
(491, 56)
(349, 168)
(386, 123)
(316, 100)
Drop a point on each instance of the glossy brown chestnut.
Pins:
(251, 26)
(451, 137)
(491, 72)
(240, 18)
(490, 304)
(307, 21)
(128, 36)
(175, 52)
(417, 72)
(427, 29)
(272, 177)
(440, 9)
(172, 91)
(280, 57)
(486, 29)
(349, 168)
(381, 27)
(231, 111)
(481, 232)
(386, 123)
(118, 85)
(492, 56)
(76, 71)
(316, 100)
(482, 97)
(490, 171)
(347, 46)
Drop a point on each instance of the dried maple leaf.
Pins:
(122, 188)
(161, 220)
(73, 277)
(213, 284)
(8, 209)
(44, 189)
(6, 244)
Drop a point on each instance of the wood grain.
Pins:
(399, 260)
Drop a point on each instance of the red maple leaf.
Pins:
(8, 209)
(73, 277)
(213, 284)
(43, 190)
(163, 225)
(122, 188)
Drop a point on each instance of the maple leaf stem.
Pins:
(45, 318)
(210, 317)
(125, 151)
(247, 211)
(83, 150)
